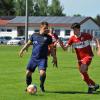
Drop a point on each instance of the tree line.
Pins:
(35, 8)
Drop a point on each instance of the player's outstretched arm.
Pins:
(98, 51)
(53, 54)
(24, 48)
(61, 44)
(65, 47)
(98, 47)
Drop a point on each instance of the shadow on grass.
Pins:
(70, 92)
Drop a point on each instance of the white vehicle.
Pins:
(16, 41)
(5, 39)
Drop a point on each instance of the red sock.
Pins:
(92, 82)
(87, 79)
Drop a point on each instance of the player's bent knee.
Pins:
(42, 72)
(82, 71)
(28, 73)
(83, 68)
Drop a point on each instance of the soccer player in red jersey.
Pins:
(53, 46)
(81, 44)
(54, 40)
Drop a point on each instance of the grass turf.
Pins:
(63, 83)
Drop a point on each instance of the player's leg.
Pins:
(92, 86)
(42, 64)
(83, 70)
(30, 69)
(42, 79)
(28, 77)
(84, 73)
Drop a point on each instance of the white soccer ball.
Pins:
(32, 89)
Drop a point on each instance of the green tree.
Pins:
(43, 4)
(36, 9)
(0, 7)
(40, 7)
(55, 9)
(21, 6)
(97, 19)
(30, 7)
(7, 7)
(77, 15)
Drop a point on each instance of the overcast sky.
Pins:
(83, 7)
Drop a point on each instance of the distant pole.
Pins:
(26, 23)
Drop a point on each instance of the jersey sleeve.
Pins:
(70, 41)
(31, 38)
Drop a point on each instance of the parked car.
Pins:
(5, 39)
(17, 41)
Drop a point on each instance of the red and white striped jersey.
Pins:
(81, 45)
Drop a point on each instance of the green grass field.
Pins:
(63, 83)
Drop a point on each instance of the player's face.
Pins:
(76, 31)
(50, 31)
(44, 28)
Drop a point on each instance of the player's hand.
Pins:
(21, 53)
(54, 61)
(98, 52)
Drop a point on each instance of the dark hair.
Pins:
(75, 25)
(44, 23)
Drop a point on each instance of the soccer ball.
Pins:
(32, 89)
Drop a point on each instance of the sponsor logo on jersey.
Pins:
(81, 44)
(45, 38)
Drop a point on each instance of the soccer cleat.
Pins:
(91, 90)
(97, 87)
(42, 88)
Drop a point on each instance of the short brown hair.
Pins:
(75, 25)
(44, 23)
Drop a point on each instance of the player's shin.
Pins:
(28, 79)
(85, 77)
(42, 80)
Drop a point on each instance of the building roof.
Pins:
(39, 19)
(64, 21)
(3, 22)
(7, 17)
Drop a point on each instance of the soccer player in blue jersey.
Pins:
(40, 42)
